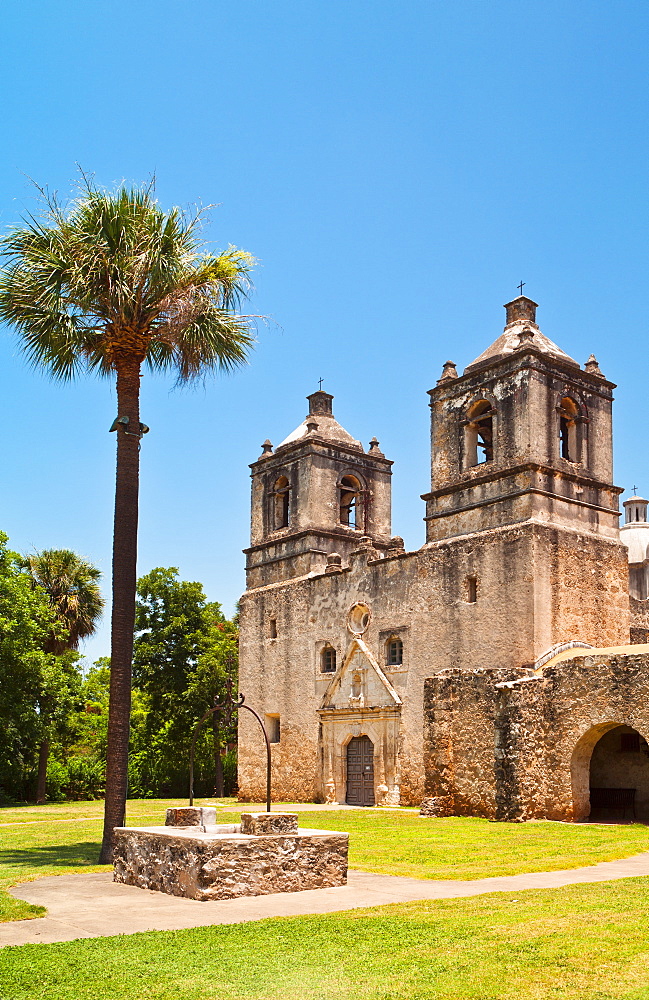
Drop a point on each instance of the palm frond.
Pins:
(72, 587)
(215, 340)
(79, 282)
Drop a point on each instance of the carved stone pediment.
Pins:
(359, 683)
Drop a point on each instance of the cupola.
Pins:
(524, 433)
(318, 494)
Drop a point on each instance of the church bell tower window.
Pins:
(350, 497)
(281, 504)
(479, 434)
(569, 430)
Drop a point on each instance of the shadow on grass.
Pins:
(52, 856)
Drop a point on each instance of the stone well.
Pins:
(193, 857)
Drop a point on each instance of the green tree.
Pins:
(59, 694)
(108, 285)
(185, 649)
(90, 724)
(26, 671)
(72, 588)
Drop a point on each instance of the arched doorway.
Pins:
(360, 772)
(619, 776)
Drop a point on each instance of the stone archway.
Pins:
(580, 769)
(610, 756)
(620, 759)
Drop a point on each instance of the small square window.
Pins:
(328, 660)
(273, 728)
(394, 652)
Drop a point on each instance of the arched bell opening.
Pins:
(350, 497)
(610, 775)
(572, 430)
(281, 509)
(479, 434)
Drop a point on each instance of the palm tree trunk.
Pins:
(43, 756)
(123, 617)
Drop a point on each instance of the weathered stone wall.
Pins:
(522, 554)
(533, 734)
(581, 585)
(639, 620)
(530, 595)
(459, 724)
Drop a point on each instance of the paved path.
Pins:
(86, 906)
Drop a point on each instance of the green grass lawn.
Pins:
(587, 941)
(54, 840)
(401, 843)
(60, 838)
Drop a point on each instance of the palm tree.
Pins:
(108, 285)
(71, 584)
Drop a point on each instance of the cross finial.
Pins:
(320, 381)
(520, 286)
(635, 490)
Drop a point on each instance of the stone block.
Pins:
(436, 805)
(191, 816)
(260, 823)
(204, 866)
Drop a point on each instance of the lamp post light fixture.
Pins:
(123, 422)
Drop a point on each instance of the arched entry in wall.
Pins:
(610, 774)
(360, 771)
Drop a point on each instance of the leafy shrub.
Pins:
(76, 779)
(57, 776)
(86, 779)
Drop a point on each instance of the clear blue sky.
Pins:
(397, 167)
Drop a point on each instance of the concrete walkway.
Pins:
(86, 906)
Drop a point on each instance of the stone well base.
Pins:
(223, 863)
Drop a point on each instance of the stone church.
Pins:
(489, 672)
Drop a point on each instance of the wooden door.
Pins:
(360, 771)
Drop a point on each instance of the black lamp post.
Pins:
(227, 706)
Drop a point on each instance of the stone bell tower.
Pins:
(523, 433)
(521, 465)
(318, 493)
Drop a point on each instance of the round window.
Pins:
(358, 618)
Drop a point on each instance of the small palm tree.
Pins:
(72, 586)
(108, 285)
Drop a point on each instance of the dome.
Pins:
(320, 422)
(635, 533)
(636, 539)
(520, 331)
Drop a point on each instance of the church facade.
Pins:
(375, 668)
